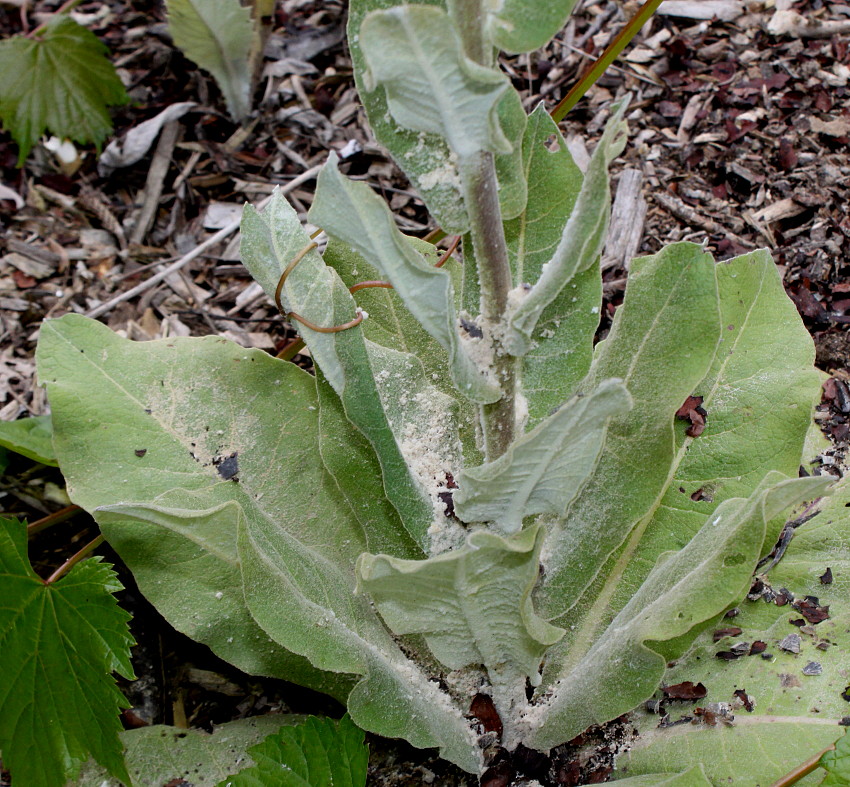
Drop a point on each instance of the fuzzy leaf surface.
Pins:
(30, 437)
(415, 54)
(582, 240)
(269, 241)
(61, 82)
(217, 36)
(164, 411)
(59, 644)
(473, 606)
(160, 754)
(794, 714)
(693, 777)
(354, 214)
(562, 341)
(316, 753)
(543, 470)
(518, 26)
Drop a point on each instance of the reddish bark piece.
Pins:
(693, 412)
(729, 631)
(758, 647)
(746, 699)
(686, 691)
(811, 609)
(787, 158)
(485, 711)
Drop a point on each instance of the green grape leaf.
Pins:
(60, 82)
(316, 753)
(160, 754)
(543, 470)
(59, 644)
(30, 437)
(217, 35)
(837, 763)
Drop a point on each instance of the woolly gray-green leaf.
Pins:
(30, 437)
(519, 26)
(354, 214)
(581, 242)
(473, 605)
(270, 240)
(543, 470)
(415, 54)
(217, 35)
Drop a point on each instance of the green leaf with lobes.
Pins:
(316, 753)
(837, 763)
(415, 54)
(31, 437)
(217, 35)
(354, 214)
(59, 644)
(543, 470)
(59, 82)
(582, 240)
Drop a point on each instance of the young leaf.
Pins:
(582, 240)
(59, 644)
(160, 754)
(217, 35)
(517, 26)
(30, 437)
(415, 54)
(60, 82)
(684, 589)
(473, 605)
(837, 763)
(269, 241)
(543, 470)
(316, 753)
(165, 410)
(354, 214)
(562, 342)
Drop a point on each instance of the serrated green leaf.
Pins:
(582, 240)
(562, 342)
(354, 214)
(837, 763)
(60, 82)
(59, 644)
(316, 753)
(217, 35)
(415, 54)
(269, 241)
(519, 26)
(160, 754)
(473, 605)
(30, 437)
(543, 470)
(164, 411)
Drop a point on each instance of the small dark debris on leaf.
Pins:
(826, 577)
(799, 622)
(531, 764)
(484, 710)
(732, 613)
(845, 721)
(824, 645)
(791, 643)
(500, 775)
(767, 656)
(685, 691)
(746, 700)
(729, 631)
(655, 707)
(447, 499)
(741, 648)
(758, 647)
(702, 494)
(788, 681)
(727, 655)
(845, 695)
(813, 668)
(450, 481)
(471, 329)
(228, 466)
(783, 597)
(140, 452)
(811, 609)
(693, 412)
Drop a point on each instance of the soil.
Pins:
(739, 136)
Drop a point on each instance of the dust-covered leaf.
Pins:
(59, 644)
(30, 437)
(60, 81)
(519, 26)
(217, 35)
(316, 753)
(543, 470)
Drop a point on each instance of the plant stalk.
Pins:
(468, 18)
(52, 519)
(809, 766)
(74, 559)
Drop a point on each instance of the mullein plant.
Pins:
(470, 498)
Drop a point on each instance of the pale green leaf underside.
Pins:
(795, 715)
(519, 26)
(159, 754)
(414, 53)
(270, 240)
(473, 606)
(543, 470)
(59, 644)
(354, 214)
(217, 35)
(582, 240)
(318, 752)
(30, 437)
(62, 83)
